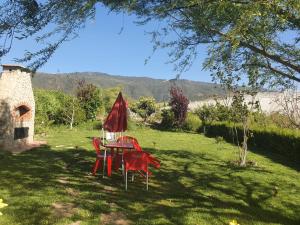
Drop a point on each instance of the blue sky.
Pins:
(101, 47)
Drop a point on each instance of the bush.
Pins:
(282, 141)
(168, 118)
(144, 107)
(179, 105)
(192, 122)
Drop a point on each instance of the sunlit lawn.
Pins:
(196, 184)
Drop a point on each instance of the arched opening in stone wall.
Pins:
(22, 113)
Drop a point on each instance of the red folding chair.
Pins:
(101, 157)
(138, 161)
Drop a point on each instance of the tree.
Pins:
(72, 113)
(89, 98)
(240, 114)
(145, 107)
(241, 35)
(56, 107)
(109, 97)
(179, 105)
(290, 106)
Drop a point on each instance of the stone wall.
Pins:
(15, 91)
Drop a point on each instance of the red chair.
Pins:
(118, 157)
(104, 156)
(129, 139)
(139, 161)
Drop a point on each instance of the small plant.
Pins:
(219, 140)
(2, 205)
(192, 122)
(233, 222)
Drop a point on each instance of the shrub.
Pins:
(179, 105)
(192, 122)
(282, 141)
(144, 107)
(167, 120)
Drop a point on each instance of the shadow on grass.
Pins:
(277, 157)
(187, 186)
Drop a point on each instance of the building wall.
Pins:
(270, 102)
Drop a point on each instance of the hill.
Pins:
(132, 86)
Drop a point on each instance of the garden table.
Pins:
(118, 146)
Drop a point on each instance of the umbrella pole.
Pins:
(102, 135)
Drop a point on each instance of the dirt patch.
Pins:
(72, 192)
(61, 209)
(109, 188)
(114, 218)
(63, 180)
(25, 147)
(76, 223)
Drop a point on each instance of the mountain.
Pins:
(132, 86)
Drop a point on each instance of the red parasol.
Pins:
(116, 120)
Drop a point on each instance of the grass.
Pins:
(196, 184)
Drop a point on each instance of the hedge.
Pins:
(282, 141)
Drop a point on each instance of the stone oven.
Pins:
(17, 107)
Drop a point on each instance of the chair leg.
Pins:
(147, 178)
(95, 168)
(126, 180)
(104, 164)
(109, 166)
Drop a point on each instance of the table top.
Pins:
(119, 145)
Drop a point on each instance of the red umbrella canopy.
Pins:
(116, 120)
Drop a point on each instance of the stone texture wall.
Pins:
(15, 91)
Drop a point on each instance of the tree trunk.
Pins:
(72, 118)
(244, 149)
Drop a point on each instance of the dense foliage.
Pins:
(55, 107)
(179, 105)
(58, 108)
(241, 35)
(271, 132)
(192, 122)
(144, 107)
(89, 97)
(271, 139)
(168, 119)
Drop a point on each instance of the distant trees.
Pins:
(87, 103)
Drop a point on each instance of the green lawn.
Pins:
(196, 184)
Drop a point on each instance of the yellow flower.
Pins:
(233, 222)
(2, 205)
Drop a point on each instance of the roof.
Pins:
(15, 66)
